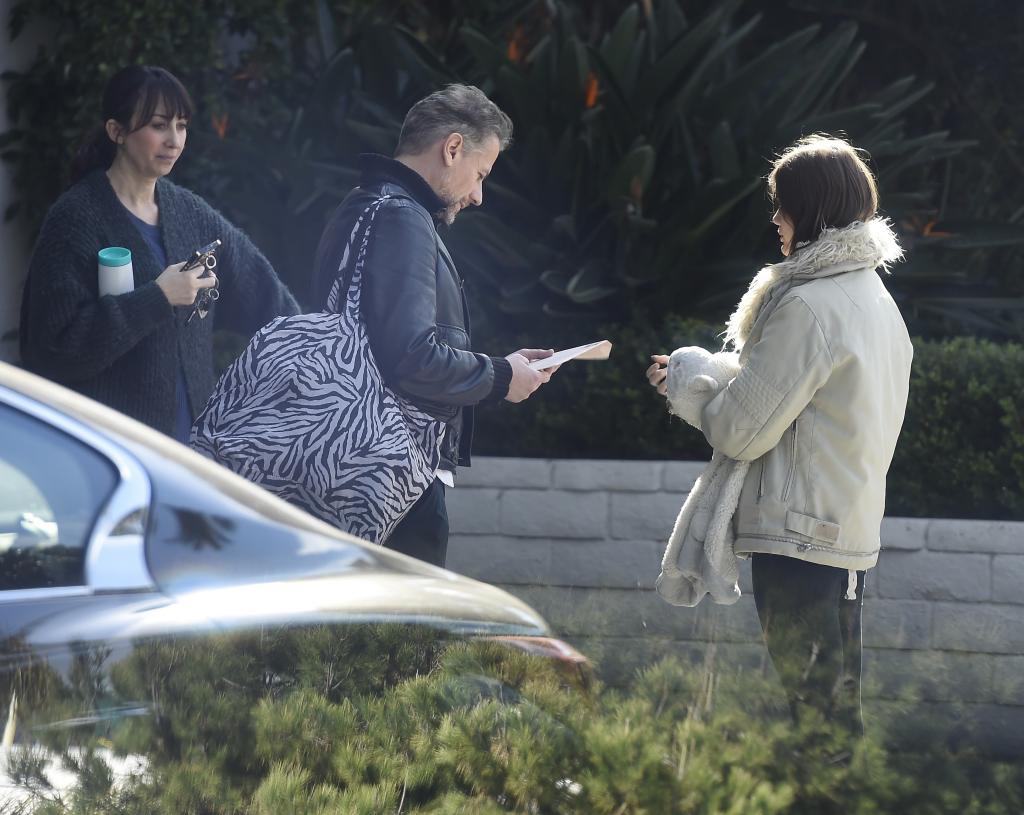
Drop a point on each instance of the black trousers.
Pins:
(423, 532)
(813, 634)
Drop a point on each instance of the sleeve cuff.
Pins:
(151, 302)
(502, 379)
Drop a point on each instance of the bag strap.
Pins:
(340, 301)
(356, 234)
(352, 239)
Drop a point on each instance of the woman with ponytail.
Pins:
(816, 409)
(138, 351)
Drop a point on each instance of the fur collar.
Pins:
(860, 245)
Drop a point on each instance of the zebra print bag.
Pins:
(305, 413)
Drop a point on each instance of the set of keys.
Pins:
(205, 298)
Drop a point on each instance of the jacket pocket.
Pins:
(812, 527)
(792, 462)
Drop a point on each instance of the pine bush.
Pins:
(488, 729)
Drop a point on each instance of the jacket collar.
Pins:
(376, 168)
(861, 245)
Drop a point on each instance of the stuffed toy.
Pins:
(695, 376)
(699, 557)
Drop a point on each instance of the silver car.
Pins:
(161, 619)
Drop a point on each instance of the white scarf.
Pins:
(857, 246)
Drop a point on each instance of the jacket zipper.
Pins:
(792, 464)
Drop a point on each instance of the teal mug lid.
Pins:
(115, 256)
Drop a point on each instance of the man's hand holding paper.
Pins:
(526, 378)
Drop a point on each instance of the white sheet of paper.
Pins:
(594, 350)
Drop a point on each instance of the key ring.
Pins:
(205, 297)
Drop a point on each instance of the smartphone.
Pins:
(205, 256)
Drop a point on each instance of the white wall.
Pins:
(581, 541)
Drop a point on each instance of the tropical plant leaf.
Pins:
(715, 55)
(618, 45)
(833, 50)
(556, 281)
(486, 54)
(590, 283)
(631, 177)
(671, 66)
(725, 162)
(733, 92)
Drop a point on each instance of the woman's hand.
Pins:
(180, 288)
(657, 374)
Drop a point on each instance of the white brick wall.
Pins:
(582, 540)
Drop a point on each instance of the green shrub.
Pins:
(961, 452)
(960, 455)
(488, 729)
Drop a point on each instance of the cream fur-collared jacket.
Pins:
(819, 400)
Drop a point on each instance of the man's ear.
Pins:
(453, 145)
(114, 131)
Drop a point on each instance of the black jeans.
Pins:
(423, 532)
(813, 634)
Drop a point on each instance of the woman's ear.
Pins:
(114, 131)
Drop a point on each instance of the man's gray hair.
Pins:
(463, 109)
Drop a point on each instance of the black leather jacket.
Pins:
(413, 302)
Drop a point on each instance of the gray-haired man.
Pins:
(413, 301)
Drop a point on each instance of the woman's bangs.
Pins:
(164, 88)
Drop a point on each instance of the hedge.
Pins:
(296, 722)
(960, 454)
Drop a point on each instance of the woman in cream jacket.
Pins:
(816, 408)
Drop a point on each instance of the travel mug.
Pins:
(115, 270)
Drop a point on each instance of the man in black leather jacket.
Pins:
(413, 301)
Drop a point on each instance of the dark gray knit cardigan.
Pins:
(124, 350)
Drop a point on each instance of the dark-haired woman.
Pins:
(135, 351)
(817, 408)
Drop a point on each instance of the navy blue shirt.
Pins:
(183, 413)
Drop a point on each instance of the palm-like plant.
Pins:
(638, 176)
(636, 180)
